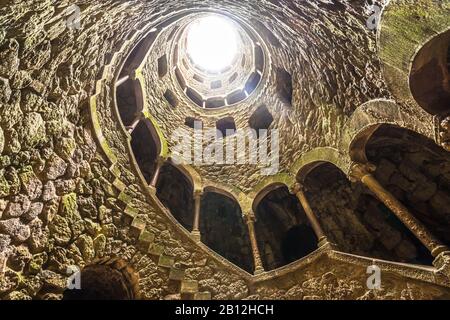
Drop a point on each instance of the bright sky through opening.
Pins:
(212, 43)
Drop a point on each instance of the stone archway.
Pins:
(223, 229)
(103, 282)
(282, 228)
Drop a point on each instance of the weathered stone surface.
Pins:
(2, 140)
(9, 282)
(31, 184)
(10, 113)
(39, 236)
(60, 230)
(16, 229)
(19, 258)
(21, 80)
(5, 240)
(65, 147)
(100, 245)
(17, 206)
(32, 130)
(49, 191)
(9, 61)
(34, 211)
(5, 91)
(55, 167)
(86, 247)
(37, 262)
(13, 144)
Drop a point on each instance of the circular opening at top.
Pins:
(212, 43)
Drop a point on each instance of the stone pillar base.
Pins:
(152, 189)
(258, 270)
(323, 242)
(442, 264)
(196, 236)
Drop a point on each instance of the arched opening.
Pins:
(198, 78)
(223, 229)
(222, 61)
(171, 98)
(356, 221)
(268, 35)
(236, 96)
(162, 66)
(430, 76)
(212, 103)
(102, 282)
(252, 82)
(290, 247)
(180, 78)
(226, 126)
(282, 229)
(145, 148)
(261, 119)
(175, 191)
(233, 77)
(193, 123)
(195, 96)
(259, 58)
(126, 102)
(284, 85)
(216, 84)
(417, 172)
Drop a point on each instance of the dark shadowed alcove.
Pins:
(101, 282)
(175, 191)
(284, 85)
(430, 75)
(145, 149)
(417, 172)
(261, 119)
(282, 229)
(226, 126)
(126, 102)
(356, 221)
(223, 229)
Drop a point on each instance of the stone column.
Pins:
(122, 80)
(299, 191)
(196, 225)
(363, 173)
(3, 259)
(250, 220)
(159, 164)
(444, 133)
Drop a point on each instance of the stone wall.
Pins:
(63, 203)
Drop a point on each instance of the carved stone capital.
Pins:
(258, 270)
(198, 194)
(249, 218)
(160, 161)
(359, 170)
(444, 133)
(297, 187)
